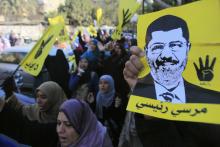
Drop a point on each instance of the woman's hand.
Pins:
(117, 102)
(8, 86)
(90, 98)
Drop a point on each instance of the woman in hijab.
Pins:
(35, 124)
(49, 97)
(77, 126)
(83, 82)
(92, 54)
(108, 107)
(114, 66)
(58, 69)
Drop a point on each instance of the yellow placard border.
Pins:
(194, 112)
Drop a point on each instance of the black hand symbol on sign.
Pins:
(43, 44)
(126, 17)
(205, 72)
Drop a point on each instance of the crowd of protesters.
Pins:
(9, 40)
(96, 89)
(84, 105)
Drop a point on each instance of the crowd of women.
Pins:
(86, 107)
(82, 107)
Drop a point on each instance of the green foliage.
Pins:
(83, 12)
(5, 7)
(156, 6)
(78, 12)
(110, 13)
(17, 10)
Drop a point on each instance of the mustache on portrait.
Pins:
(163, 60)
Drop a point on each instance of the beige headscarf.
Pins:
(55, 95)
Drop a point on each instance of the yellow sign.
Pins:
(116, 35)
(63, 35)
(58, 19)
(208, 113)
(99, 15)
(34, 60)
(126, 10)
(182, 62)
(92, 30)
(204, 37)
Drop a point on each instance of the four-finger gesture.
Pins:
(205, 71)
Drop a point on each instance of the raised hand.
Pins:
(133, 66)
(90, 98)
(117, 102)
(9, 86)
(205, 72)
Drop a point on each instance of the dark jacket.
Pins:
(114, 66)
(113, 119)
(194, 94)
(157, 132)
(88, 77)
(33, 133)
(58, 69)
(166, 133)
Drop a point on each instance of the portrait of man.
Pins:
(167, 47)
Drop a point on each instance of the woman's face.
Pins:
(117, 49)
(42, 101)
(92, 45)
(66, 133)
(103, 86)
(83, 63)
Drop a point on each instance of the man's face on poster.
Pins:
(167, 55)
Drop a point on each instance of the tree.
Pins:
(17, 10)
(156, 5)
(83, 12)
(78, 12)
(5, 8)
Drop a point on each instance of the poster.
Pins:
(182, 63)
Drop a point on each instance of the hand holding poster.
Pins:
(181, 80)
